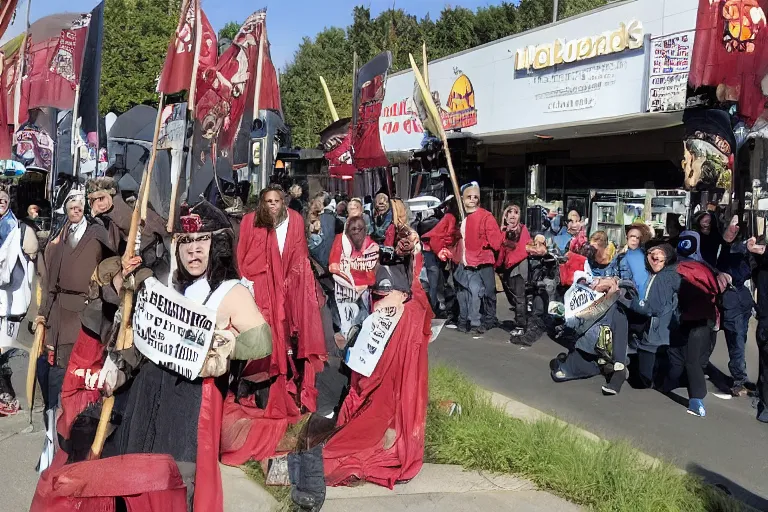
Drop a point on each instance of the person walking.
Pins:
(513, 265)
(475, 257)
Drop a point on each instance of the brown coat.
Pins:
(67, 283)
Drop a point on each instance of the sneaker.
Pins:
(608, 391)
(462, 328)
(479, 330)
(738, 391)
(696, 407)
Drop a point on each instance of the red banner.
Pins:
(731, 49)
(224, 90)
(368, 102)
(53, 64)
(7, 8)
(337, 145)
(180, 58)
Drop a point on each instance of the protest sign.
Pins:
(171, 330)
(377, 329)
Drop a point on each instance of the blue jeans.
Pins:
(477, 295)
(737, 309)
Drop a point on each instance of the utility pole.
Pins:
(554, 12)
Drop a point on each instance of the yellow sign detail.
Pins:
(628, 37)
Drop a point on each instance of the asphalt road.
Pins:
(727, 446)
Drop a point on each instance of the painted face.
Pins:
(705, 225)
(194, 250)
(33, 212)
(382, 204)
(574, 222)
(354, 209)
(75, 212)
(657, 258)
(274, 200)
(5, 201)
(356, 231)
(513, 218)
(100, 204)
(471, 198)
(633, 239)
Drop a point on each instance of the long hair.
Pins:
(222, 263)
(263, 217)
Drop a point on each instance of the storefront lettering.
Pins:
(628, 36)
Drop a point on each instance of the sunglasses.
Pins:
(188, 239)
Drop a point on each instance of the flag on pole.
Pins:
(7, 10)
(180, 59)
(367, 103)
(222, 95)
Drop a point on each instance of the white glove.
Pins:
(107, 380)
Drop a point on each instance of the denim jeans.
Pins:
(737, 309)
(477, 295)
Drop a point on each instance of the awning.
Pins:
(601, 127)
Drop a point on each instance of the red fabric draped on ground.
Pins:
(394, 396)
(87, 354)
(286, 295)
(148, 483)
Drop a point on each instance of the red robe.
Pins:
(362, 263)
(286, 295)
(394, 396)
(87, 353)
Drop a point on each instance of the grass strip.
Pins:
(281, 494)
(602, 476)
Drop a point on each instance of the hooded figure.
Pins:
(169, 436)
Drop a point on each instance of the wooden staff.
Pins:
(124, 339)
(436, 126)
(34, 355)
(191, 118)
(257, 98)
(19, 73)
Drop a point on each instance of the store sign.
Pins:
(628, 37)
(670, 63)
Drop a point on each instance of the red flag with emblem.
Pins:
(180, 59)
(223, 91)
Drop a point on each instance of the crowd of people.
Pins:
(321, 312)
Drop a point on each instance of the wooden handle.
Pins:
(101, 429)
(437, 122)
(34, 355)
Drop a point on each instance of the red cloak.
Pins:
(87, 353)
(286, 294)
(394, 396)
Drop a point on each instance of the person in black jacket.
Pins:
(761, 283)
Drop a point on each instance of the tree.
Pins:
(330, 53)
(229, 31)
(136, 37)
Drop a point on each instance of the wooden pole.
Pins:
(125, 341)
(437, 126)
(73, 146)
(19, 73)
(257, 96)
(425, 64)
(331, 106)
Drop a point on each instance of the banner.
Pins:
(222, 91)
(90, 79)
(731, 49)
(176, 75)
(173, 127)
(7, 10)
(53, 60)
(171, 330)
(364, 355)
(668, 81)
(337, 147)
(33, 147)
(366, 109)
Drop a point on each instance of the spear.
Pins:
(331, 106)
(125, 341)
(435, 125)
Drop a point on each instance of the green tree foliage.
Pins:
(330, 53)
(230, 30)
(136, 37)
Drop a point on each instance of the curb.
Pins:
(524, 412)
(520, 411)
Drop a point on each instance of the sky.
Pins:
(288, 21)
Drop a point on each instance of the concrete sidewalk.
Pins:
(443, 487)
